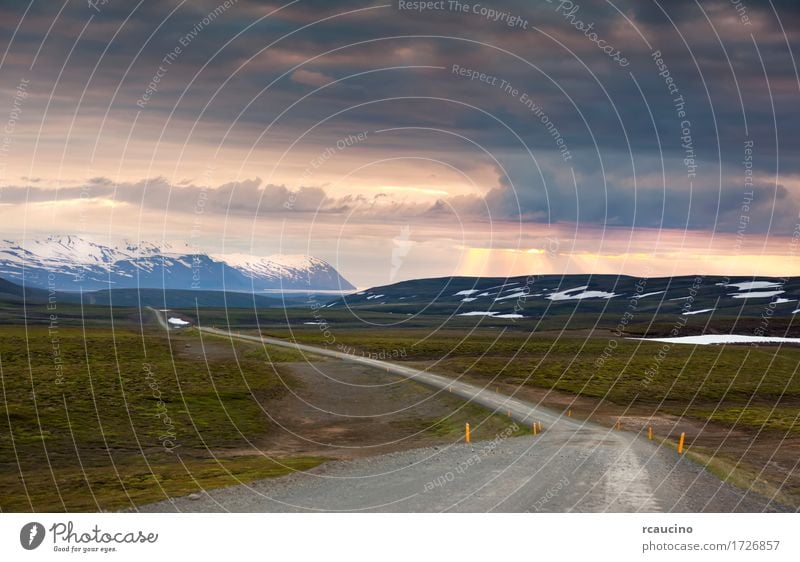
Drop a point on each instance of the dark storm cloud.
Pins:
(734, 90)
(652, 201)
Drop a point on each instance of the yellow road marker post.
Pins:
(680, 443)
(540, 427)
(650, 433)
(534, 428)
(467, 432)
(569, 413)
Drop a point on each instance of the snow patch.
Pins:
(580, 293)
(756, 294)
(701, 311)
(648, 294)
(721, 338)
(750, 285)
(491, 314)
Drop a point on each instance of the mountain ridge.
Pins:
(73, 263)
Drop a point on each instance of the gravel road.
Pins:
(571, 466)
(566, 468)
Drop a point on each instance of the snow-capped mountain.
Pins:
(71, 263)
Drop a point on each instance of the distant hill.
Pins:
(549, 295)
(177, 298)
(71, 263)
(11, 292)
(169, 298)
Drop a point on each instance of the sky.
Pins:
(398, 140)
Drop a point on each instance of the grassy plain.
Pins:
(757, 387)
(101, 419)
(98, 418)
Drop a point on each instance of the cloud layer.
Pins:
(518, 112)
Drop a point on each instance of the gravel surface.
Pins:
(572, 466)
(566, 468)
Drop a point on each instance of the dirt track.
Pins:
(573, 466)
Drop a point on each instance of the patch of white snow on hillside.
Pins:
(750, 285)
(579, 293)
(701, 311)
(721, 338)
(756, 294)
(648, 294)
(491, 314)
